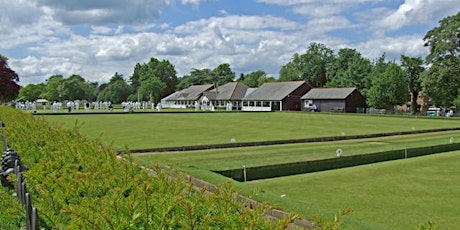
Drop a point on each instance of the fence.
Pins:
(11, 163)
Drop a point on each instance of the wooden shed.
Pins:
(333, 100)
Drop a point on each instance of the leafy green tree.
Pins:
(32, 92)
(166, 72)
(265, 79)
(162, 70)
(117, 90)
(414, 69)
(222, 74)
(8, 81)
(311, 66)
(152, 87)
(196, 77)
(389, 85)
(350, 69)
(252, 79)
(52, 84)
(290, 72)
(76, 88)
(441, 81)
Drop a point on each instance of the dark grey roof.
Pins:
(328, 93)
(193, 92)
(273, 91)
(230, 91)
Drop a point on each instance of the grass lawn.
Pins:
(391, 195)
(399, 194)
(375, 192)
(151, 130)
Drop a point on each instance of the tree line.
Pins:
(385, 83)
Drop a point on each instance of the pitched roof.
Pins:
(229, 91)
(193, 92)
(328, 93)
(274, 91)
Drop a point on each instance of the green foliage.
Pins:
(80, 184)
(153, 80)
(220, 75)
(350, 69)
(116, 91)
(441, 81)
(252, 79)
(32, 92)
(310, 66)
(335, 224)
(414, 69)
(388, 87)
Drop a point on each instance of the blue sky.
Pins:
(96, 38)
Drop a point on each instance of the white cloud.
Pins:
(415, 12)
(105, 11)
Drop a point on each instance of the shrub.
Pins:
(79, 183)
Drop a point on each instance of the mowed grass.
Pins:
(391, 195)
(399, 194)
(152, 130)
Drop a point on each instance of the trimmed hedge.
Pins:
(77, 183)
(279, 170)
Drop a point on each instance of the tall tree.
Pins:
(166, 72)
(350, 69)
(152, 87)
(162, 70)
(117, 90)
(32, 92)
(52, 92)
(441, 81)
(414, 69)
(252, 79)
(222, 74)
(8, 81)
(389, 85)
(311, 66)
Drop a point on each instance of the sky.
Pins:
(97, 38)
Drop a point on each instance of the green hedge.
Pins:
(279, 170)
(77, 183)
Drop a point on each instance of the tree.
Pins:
(162, 70)
(32, 92)
(52, 92)
(414, 69)
(117, 90)
(350, 69)
(8, 81)
(389, 85)
(166, 72)
(441, 81)
(76, 88)
(290, 72)
(152, 87)
(222, 74)
(252, 79)
(310, 66)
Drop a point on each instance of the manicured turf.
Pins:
(399, 194)
(392, 195)
(139, 131)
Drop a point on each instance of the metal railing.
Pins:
(11, 163)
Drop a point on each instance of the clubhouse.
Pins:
(272, 96)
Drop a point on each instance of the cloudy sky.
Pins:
(96, 38)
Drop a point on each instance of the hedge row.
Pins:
(289, 141)
(77, 183)
(279, 170)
